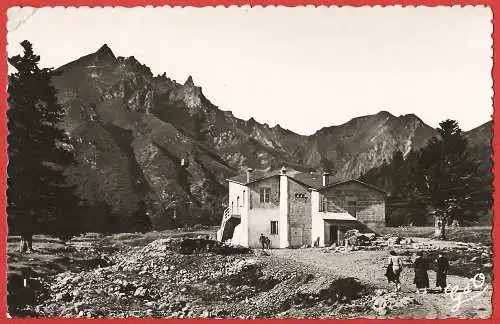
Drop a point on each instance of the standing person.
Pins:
(394, 268)
(421, 279)
(262, 240)
(268, 243)
(26, 244)
(442, 271)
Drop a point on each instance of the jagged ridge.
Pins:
(132, 129)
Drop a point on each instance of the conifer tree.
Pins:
(38, 199)
(448, 175)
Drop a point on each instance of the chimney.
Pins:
(249, 172)
(283, 170)
(326, 178)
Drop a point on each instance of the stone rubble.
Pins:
(200, 278)
(159, 281)
(151, 281)
(384, 302)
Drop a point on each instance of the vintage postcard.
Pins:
(250, 162)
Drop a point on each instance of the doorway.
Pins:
(296, 238)
(334, 234)
(331, 233)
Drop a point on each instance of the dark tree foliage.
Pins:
(397, 178)
(38, 199)
(449, 176)
(140, 218)
(441, 178)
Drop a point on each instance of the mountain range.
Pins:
(146, 146)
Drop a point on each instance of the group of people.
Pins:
(265, 242)
(421, 266)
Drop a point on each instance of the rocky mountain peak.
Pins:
(189, 81)
(104, 53)
(139, 126)
(188, 93)
(133, 65)
(412, 118)
(105, 50)
(385, 114)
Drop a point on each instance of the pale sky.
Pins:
(304, 67)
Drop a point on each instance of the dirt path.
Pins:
(369, 267)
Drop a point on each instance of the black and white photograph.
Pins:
(250, 162)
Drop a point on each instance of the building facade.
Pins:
(295, 208)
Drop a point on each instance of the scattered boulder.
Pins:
(159, 280)
(406, 241)
(140, 292)
(394, 240)
(385, 302)
(355, 238)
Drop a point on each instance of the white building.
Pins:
(294, 208)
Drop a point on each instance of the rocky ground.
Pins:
(184, 275)
(466, 258)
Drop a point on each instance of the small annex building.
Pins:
(294, 208)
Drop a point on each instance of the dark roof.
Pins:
(255, 175)
(353, 180)
(308, 179)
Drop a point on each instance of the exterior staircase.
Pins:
(229, 222)
(225, 218)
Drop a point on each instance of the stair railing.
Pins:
(226, 216)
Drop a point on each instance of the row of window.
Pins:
(265, 197)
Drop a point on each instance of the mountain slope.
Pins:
(481, 135)
(480, 149)
(364, 143)
(129, 159)
(154, 152)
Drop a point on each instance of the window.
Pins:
(274, 227)
(238, 205)
(243, 203)
(322, 203)
(265, 194)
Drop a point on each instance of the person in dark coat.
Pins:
(442, 271)
(421, 279)
(390, 274)
(394, 268)
(262, 240)
(268, 243)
